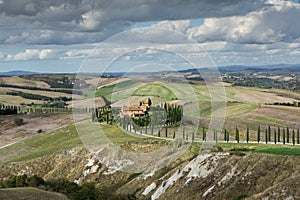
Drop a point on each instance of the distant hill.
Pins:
(280, 69)
(16, 73)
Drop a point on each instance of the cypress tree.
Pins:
(278, 134)
(193, 136)
(266, 136)
(166, 133)
(283, 136)
(247, 134)
(203, 134)
(293, 135)
(275, 136)
(237, 135)
(225, 136)
(287, 135)
(269, 133)
(152, 129)
(174, 135)
(298, 137)
(258, 134)
(159, 133)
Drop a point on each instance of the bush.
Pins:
(40, 131)
(18, 121)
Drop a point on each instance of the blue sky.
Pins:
(60, 36)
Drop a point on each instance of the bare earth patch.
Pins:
(261, 97)
(11, 133)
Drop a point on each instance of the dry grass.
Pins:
(16, 100)
(29, 193)
(16, 80)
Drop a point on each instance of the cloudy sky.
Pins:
(60, 36)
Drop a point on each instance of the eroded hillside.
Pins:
(220, 175)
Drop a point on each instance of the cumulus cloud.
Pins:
(269, 25)
(29, 54)
(178, 25)
(69, 22)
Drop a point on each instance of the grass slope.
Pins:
(64, 139)
(29, 193)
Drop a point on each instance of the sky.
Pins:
(121, 35)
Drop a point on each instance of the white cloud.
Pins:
(30, 54)
(86, 21)
(43, 54)
(273, 24)
(178, 25)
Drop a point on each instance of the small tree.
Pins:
(149, 102)
(18, 121)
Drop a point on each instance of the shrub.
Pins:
(40, 131)
(18, 121)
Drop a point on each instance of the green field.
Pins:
(277, 149)
(66, 138)
(155, 89)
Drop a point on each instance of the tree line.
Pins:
(67, 91)
(284, 135)
(8, 110)
(37, 96)
(86, 191)
(13, 110)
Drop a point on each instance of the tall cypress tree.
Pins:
(269, 133)
(275, 137)
(283, 136)
(225, 135)
(266, 136)
(203, 134)
(258, 134)
(237, 135)
(298, 136)
(287, 135)
(193, 136)
(278, 134)
(293, 136)
(247, 134)
(166, 133)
